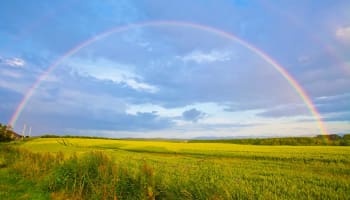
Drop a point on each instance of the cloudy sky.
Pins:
(181, 78)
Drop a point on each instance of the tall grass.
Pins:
(91, 176)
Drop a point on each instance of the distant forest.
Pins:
(332, 140)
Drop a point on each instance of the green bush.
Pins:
(95, 176)
(6, 133)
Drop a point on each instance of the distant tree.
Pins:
(334, 137)
(346, 136)
(320, 136)
(6, 133)
(4, 136)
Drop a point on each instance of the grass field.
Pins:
(73, 168)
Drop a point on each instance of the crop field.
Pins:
(73, 168)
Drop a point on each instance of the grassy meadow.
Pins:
(75, 168)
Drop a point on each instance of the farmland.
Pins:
(74, 168)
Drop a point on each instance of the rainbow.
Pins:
(284, 73)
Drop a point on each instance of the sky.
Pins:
(174, 69)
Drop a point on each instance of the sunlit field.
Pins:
(72, 168)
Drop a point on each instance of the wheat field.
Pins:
(75, 168)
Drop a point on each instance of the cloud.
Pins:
(333, 104)
(58, 110)
(56, 100)
(201, 57)
(285, 111)
(338, 116)
(12, 62)
(118, 73)
(327, 80)
(331, 107)
(193, 115)
(343, 34)
(141, 86)
(85, 120)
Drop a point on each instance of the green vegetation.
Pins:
(74, 168)
(7, 134)
(331, 140)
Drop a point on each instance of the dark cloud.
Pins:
(285, 111)
(193, 115)
(250, 105)
(331, 104)
(56, 122)
(343, 117)
(332, 108)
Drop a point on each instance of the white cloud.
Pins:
(13, 62)
(146, 45)
(343, 34)
(332, 97)
(107, 70)
(206, 57)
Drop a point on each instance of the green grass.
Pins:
(75, 168)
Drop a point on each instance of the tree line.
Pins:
(332, 140)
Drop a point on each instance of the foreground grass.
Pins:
(118, 169)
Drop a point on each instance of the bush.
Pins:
(6, 133)
(95, 176)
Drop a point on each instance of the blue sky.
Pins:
(175, 81)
